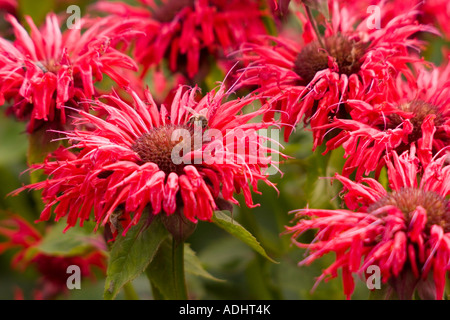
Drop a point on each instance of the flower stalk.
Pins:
(178, 270)
(314, 25)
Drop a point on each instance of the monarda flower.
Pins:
(404, 229)
(22, 236)
(188, 33)
(184, 161)
(43, 71)
(416, 114)
(7, 7)
(309, 77)
(436, 12)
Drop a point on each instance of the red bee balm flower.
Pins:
(48, 69)
(405, 231)
(310, 78)
(9, 6)
(186, 31)
(53, 269)
(413, 114)
(163, 160)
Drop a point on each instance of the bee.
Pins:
(197, 118)
(114, 219)
(41, 66)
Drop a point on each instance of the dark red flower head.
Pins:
(306, 77)
(189, 32)
(185, 159)
(416, 114)
(9, 6)
(47, 69)
(403, 229)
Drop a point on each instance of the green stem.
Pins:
(157, 295)
(130, 293)
(178, 270)
(268, 20)
(314, 26)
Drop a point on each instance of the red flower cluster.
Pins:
(119, 161)
(405, 229)
(127, 163)
(49, 69)
(190, 33)
(312, 76)
(364, 90)
(413, 114)
(359, 82)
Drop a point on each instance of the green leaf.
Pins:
(194, 266)
(30, 253)
(317, 185)
(36, 9)
(160, 272)
(14, 141)
(19, 204)
(268, 20)
(447, 290)
(227, 223)
(319, 5)
(74, 241)
(130, 255)
(215, 73)
(40, 144)
(226, 255)
(260, 282)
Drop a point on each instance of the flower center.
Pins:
(407, 200)
(314, 57)
(420, 109)
(156, 146)
(168, 10)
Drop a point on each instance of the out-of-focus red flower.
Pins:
(127, 164)
(280, 5)
(9, 6)
(404, 230)
(189, 32)
(416, 114)
(306, 79)
(436, 12)
(47, 69)
(21, 235)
